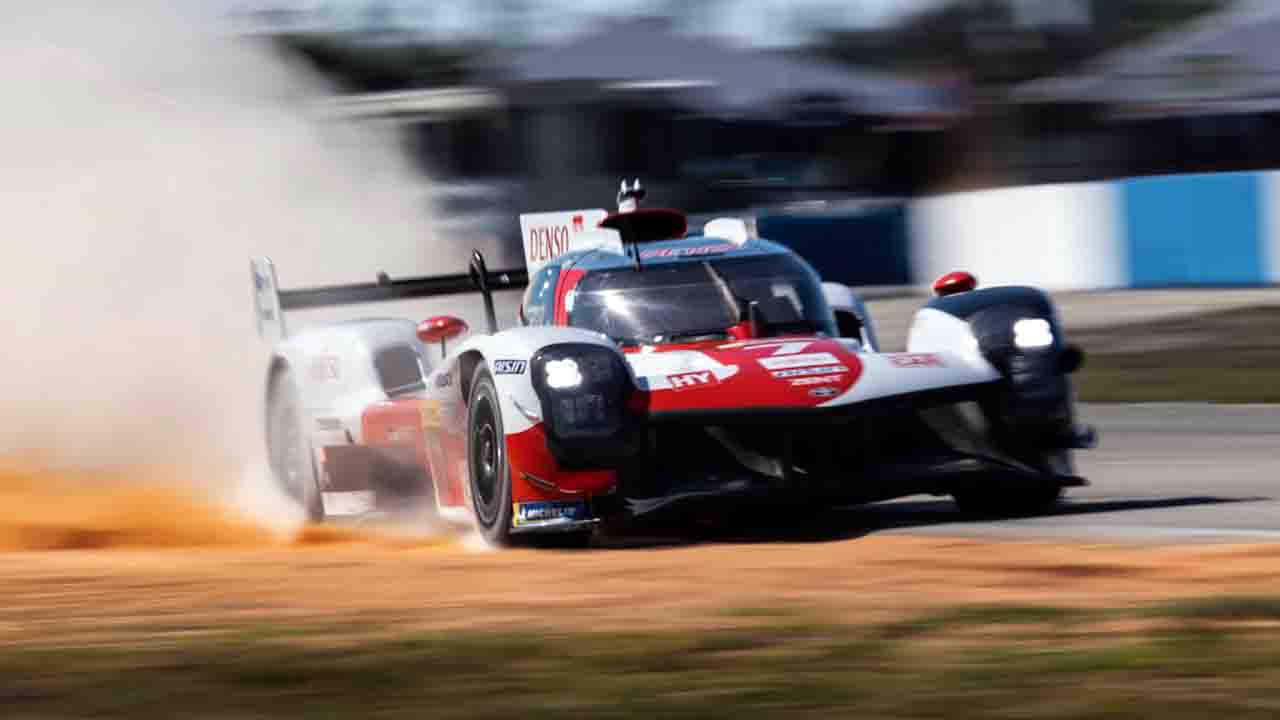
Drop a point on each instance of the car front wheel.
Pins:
(488, 468)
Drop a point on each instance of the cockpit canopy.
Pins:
(687, 301)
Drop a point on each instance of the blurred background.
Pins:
(1119, 153)
(829, 119)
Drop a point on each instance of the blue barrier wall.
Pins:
(1194, 230)
(869, 247)
(1169, 231)
(1177, 230)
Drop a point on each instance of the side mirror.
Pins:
(440, 329)
(953, 283)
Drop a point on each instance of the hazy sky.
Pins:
(756, 21)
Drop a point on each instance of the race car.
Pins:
(653, 369)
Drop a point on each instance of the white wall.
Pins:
(1060, 237)
(1270, 225)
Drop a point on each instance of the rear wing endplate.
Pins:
(270, 303)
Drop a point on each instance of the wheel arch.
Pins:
(516, 348)
(467, 364)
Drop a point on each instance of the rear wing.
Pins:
(270, 303)
(549, 235)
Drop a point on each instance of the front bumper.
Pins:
(935, 476)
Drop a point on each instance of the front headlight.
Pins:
(584, 390)
(1032, 334)
(582, 387)
(562, 374)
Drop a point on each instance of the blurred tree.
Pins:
(1002, 42)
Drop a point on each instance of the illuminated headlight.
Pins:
(583, 390)
(562, 374)
(1032, 333)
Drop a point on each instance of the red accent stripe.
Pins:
(569, 279)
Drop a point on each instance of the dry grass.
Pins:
(966, 662)
(1231, 357)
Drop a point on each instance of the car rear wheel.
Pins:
(288, 449)
(488, 468)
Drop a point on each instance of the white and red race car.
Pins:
(654, 369)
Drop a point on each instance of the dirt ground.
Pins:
(96, 594)
(95, 561)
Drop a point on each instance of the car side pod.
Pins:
(953, 283)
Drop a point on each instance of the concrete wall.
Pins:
(1054, 236)
(1179, 230)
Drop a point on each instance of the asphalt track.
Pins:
(1162, 473)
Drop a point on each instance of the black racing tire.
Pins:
(489, 471)
(1008, 502)
(288, 448)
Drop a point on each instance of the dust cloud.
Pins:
(144, 157)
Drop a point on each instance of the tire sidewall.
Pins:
(483, 390)
(307, 494)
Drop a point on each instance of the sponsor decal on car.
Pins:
(656, 371)
(692, 379)
(786, 362)
(806, 372)
(686, 252)
(779, 347)
(822, 380)
(916, 360)
(509, 367)
(823, 392)
(547, 236)
(528, 513)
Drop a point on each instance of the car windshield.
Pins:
(686, 301)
